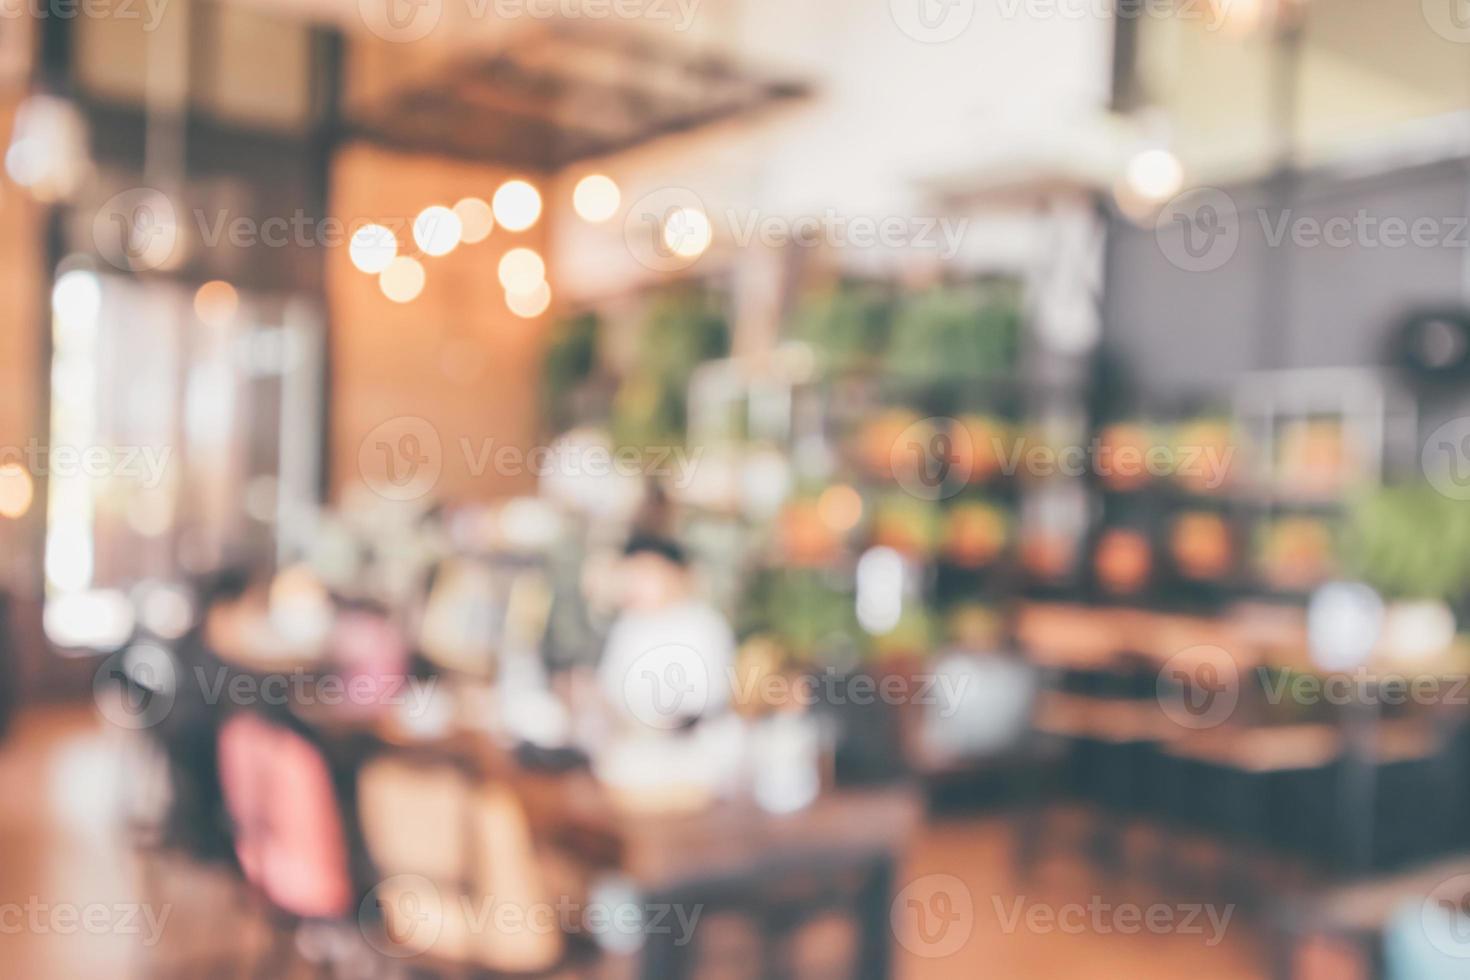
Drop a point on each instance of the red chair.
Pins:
(287, 825)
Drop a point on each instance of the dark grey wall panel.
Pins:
(1186, 334)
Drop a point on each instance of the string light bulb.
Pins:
(476, 220)
(372, 248)
(530, 304)
(596, 198)
(516, 205)
(436, 231)
(403, 280)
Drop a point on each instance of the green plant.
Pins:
(1410, 543)
(956, 332)
(802, 609)
(846, 323)
(571, 360)
(913, 636)
(684, 327)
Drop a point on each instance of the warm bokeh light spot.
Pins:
(372, 248)
(521, 270)
(529, 304)
(1155, 175)
(476, 220)
(403, 280)
(216, 302)
(596, 198)
(16, 491)
(436, 231)
(687, 232)
(840, 508)
(517, 205)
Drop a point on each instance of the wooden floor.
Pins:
(75, 901)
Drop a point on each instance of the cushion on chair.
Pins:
(288, 829)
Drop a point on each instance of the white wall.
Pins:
(888, 112)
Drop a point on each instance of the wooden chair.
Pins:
(448, 852)
(288, 828)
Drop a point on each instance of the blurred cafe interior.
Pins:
(731, 488)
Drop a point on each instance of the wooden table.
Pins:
(839, 853)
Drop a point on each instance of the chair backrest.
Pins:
(414, 816)
(453, 858)
(287, 824)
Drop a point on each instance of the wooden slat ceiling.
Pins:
(563, 94)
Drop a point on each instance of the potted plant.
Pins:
(1413, 545)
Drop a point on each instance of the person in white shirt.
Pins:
(669, 656)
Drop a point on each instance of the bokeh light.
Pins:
(521, 270)
(517, 205)
(216, 302)
(436, 231)
(1155, 175)
(840, 508)
(596, 198)
(687, 232)
(17, 490)
(403, 280)
(372, 248)
(531, 303)
(476, 220)
(77, 296)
